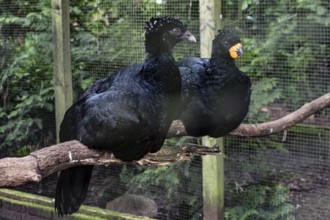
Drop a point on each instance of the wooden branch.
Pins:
(41, 163)
(267, 128)
(46, 161)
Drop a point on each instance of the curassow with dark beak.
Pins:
(127, 113)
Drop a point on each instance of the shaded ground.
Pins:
(308, 179)
(310, 193)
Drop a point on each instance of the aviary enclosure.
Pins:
(286, 54)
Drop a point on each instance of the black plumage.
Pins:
(216, 94)
(127, 113)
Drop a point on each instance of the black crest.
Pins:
(226, 35)
(162, 23)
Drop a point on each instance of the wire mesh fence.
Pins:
(286, 54)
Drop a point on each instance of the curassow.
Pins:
(127, 113)
(215, 93)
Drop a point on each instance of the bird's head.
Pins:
(228, 44)
(163, 33)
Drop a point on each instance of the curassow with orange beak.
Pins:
(127, 113)
(215, 93)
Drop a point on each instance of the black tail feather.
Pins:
(71, 189)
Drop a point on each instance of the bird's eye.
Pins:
(176, 31)
(226, 43)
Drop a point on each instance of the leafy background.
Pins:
(286, 45)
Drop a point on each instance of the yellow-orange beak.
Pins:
(236, 51)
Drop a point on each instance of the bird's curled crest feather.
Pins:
(157, 24)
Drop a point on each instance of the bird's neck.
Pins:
(160, 66)
(226, 70)
(220, 65)
(156, 46)
(161, 70)
(160, 57)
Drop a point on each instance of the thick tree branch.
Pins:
(41, 163)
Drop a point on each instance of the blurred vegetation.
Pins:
(261, 202)
(26, 75)
(286, 45)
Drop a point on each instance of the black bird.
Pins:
(215, 93)
(127, 113)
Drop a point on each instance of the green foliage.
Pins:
(26, 96)
(286, 40)
(262, 202)
(23, 151)
(264, 92)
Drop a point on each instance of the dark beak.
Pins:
(240, 52)
(189, 37)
